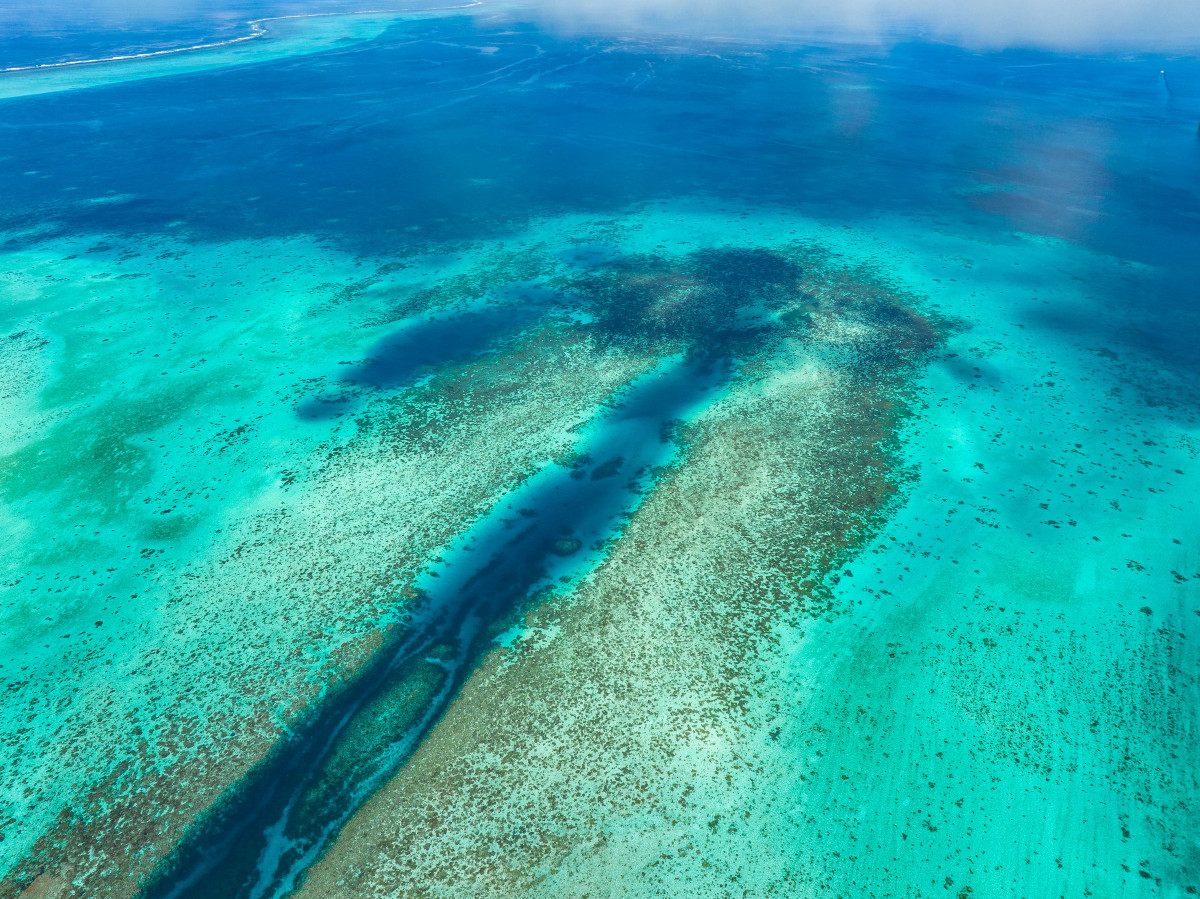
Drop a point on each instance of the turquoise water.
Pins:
(544, 533)
(447, 457)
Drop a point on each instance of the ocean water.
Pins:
(447, 457)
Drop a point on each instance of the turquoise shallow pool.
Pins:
(445, 457)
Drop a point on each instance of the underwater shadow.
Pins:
(403, 357)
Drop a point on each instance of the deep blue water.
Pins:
(390, 146)
(416, 128)
(434, 134)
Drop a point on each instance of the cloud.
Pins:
(985, 24)
(1151, 25)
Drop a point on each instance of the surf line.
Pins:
(545, 534)
(257, 29)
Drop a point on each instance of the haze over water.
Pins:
(599, 450)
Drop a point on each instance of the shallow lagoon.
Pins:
(909, 607)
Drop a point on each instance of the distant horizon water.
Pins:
(493, 450)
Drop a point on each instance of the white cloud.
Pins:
(1060, 24)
